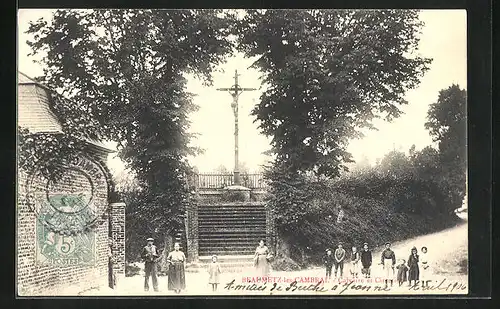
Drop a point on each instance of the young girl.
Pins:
(402, 272)
(366, 260)
(424, 269)
(214, 271)
(414, 272)
(355, 257)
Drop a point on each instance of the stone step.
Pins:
(230, 237)
(209, 251)
(240, 226)
(230, 241)
(233, 230)
(233, 219)
(245, 224)
(232, 216)
(206, 211)
(233, 204)
(223, 237)
(221, 243)
(226, 247)
(214, 209)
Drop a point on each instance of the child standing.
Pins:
(339, 255)
(413, 272)
(328, 260)
(214, 271)
(424, 269)
(355, 257)
(366, 260)
(402, 272)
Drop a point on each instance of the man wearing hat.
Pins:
(150, 257)
(328, 260)
(366, 260)
(339, 260)
(388, 260)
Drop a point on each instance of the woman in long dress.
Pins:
(424, 269)
(260, 259)
(413, 272)
(176, 274)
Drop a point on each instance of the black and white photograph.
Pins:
(242, 152)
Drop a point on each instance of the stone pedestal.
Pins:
(236, 194)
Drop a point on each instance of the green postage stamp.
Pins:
(57, 249)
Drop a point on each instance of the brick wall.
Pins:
(38, 277)
(117, 231)
(270, 229)
(192, 233)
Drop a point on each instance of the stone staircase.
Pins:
(232, 232)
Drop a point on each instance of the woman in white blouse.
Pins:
(176, 274)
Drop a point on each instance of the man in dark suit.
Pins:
(150, 256)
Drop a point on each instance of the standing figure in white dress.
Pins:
(424, 267)
(261, 259)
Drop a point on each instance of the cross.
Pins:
(235, 92)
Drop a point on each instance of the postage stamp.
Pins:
(64, 250)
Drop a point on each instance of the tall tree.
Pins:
(124, 71)
(447, 124)
(330, 73)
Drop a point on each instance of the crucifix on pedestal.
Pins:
(235, 92)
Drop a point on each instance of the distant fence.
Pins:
(218, 181)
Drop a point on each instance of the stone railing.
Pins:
(219, 181)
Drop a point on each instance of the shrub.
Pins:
(463, 267)
(132, 270)
(389, 202)
(284, 263)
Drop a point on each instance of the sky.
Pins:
(443, 38)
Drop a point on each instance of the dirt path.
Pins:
(446, 249)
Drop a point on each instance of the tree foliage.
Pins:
(401, 197)
(330, 73)
(447, 124)
(125, 71)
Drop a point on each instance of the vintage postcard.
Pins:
(242, 152)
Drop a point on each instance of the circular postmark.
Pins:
(74, 202)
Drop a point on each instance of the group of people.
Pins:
(416, 269)
(176, 264)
